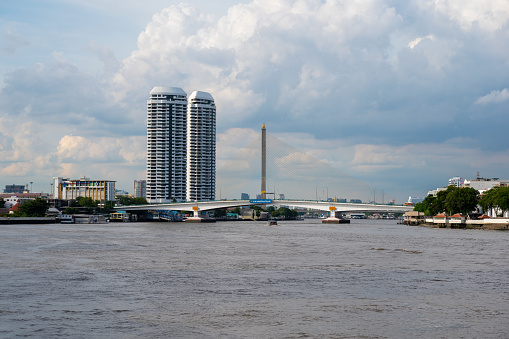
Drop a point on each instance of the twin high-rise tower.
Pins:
(181, 146)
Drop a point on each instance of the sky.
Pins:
(402, 95)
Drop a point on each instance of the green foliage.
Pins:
(284, 212)
(107, 208)
(33, 208)
(461, 200)
(220, 213)
(236, 210)
(86, 202)
(440, 205)
(452, 200)
(496, 197)
(126, 201)
(428, 206)
(2, 203)
(71, 210)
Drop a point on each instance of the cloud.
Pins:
(77, 149)
(415, 42)
(495, 96)
(488, 15)
(13, 42)
(360, 85)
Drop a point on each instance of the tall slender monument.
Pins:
(264, 164)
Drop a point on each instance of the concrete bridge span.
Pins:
(328, 206)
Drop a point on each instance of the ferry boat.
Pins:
(67, 219)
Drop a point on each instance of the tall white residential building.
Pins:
(166, 145)
(201, 147)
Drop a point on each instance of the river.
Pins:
(300, 279)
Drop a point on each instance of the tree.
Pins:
(86, 202)
(139, 201)
(488, 199)
(2, 203)
(461, 200)
(220, 213)
(71, 210)
(285, 212)
(428, 206)
(497, 197)
(439, 205)
(107, 207)
(503, 199)
(33, 208)
(126, 201)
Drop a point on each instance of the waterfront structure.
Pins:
(67, 189)
(166, 145)
(201, 147)
(140, 188)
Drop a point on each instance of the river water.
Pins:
(367, 279)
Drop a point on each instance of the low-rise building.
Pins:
(15, 188)
(456, 181)
(66, 189)
(435, 192)
(14, 200)
(482, 184)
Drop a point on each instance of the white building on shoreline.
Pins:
(67, 189)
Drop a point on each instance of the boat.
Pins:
(67, 219)
(272, 223)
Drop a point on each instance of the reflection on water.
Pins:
(367, 279)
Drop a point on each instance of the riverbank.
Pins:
(28, 220)
(498, 224)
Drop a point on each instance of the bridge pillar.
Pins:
(333, 219)
(197, 218)
(195, 212)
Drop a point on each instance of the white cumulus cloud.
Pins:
(495, 96)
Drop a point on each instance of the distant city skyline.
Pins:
(400, 95)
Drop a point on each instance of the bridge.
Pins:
(288, 178)
(327, 206)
